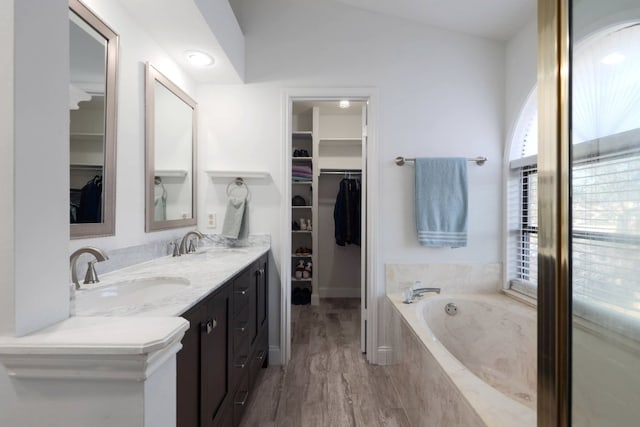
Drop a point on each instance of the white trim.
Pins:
(374, 271)
(275, 355)
(102, 367)
(385, 355)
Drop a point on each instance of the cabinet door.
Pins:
(215, 362)
(188, 373)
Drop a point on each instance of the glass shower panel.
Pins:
(605, 252)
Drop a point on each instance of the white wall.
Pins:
(440, 94)
(7, 268)
(34, 287)
(41, 156)
(136, 48)
(521, 74)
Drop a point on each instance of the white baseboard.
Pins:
(384, 355)
(339, 292)
(275, 355)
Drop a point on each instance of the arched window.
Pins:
(605, 132)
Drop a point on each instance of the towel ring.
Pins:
(239, 183)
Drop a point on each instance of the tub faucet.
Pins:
(186, 245)
(91, 276)
(412, 294)
(419, 291)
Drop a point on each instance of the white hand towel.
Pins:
(235, 220)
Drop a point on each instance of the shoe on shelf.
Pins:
(295, 226)
(296, 296)
(299, 272)
(306, 273)
(296, 153)
(305, 296)
(304, 153)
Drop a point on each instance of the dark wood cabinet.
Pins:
(224, 350)
(215, 356)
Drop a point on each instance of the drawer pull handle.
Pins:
(261, 354)
(242, 364)
(210, 326)
(243, 401)
(241, 292)
(241, 328)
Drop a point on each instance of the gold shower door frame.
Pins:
(554, 210)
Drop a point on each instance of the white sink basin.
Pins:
(134, 292)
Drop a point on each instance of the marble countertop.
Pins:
(149, 320)
(204, 272)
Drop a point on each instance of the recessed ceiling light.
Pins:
(344, 104)
(199, 59)
(613, 58)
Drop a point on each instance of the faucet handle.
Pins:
(192, 246)
(176, 248)
(91, 276)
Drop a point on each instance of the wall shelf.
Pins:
(213, 174)
(171, 173)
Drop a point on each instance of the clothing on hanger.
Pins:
(90, 209)
(347, 212)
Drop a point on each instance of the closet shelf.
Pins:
(293, 279)
(301, 256)
(213, 174)
(301, 182)
(301, 231)
(302, 133)
(301, 207)
(302, 158)
(340, 141)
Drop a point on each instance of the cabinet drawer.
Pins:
(240, 369)
(240, 400)
(258, 358)
(242, 292)
(241, 340)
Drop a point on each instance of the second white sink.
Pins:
(137, 291)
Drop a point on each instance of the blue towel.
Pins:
(441, 202)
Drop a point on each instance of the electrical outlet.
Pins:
(212, 220)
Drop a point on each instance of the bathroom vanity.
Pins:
(123, 358)
(223, 350)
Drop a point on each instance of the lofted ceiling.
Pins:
(179, 25)
(493, 19)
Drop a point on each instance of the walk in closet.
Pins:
(327, 200)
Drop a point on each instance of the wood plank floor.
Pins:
(328, 381)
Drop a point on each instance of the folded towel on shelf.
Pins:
(305, 169)
(236, 218)
(441, 201)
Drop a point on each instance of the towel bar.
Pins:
(400, 161)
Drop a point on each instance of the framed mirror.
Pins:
(93, 60)
(170, 154)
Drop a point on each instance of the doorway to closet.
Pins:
(326, 270)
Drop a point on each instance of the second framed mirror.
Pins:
(170, 154)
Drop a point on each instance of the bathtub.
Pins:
(474, 368)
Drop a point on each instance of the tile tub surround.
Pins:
(434, 387)
(451, 278)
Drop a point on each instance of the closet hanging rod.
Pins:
(340, 172)
(402, 160)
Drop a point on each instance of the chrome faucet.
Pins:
(412, 294)
(186, 245)
(91, 276)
